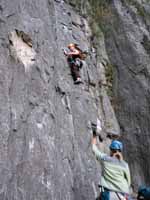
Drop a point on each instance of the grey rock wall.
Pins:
(127, 39)
(45, 119)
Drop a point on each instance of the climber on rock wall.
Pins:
(74, 60)
(143, 193)
(115, 180)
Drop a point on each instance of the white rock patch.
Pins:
(21, 50)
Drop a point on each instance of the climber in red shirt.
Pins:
(73, 57)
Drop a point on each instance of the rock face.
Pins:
(45, 120)
(128, 47)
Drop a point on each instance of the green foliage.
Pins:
(109, 73)
(76, 3)
(96, 9)
(96, 30)
(109, 78)
(99, 9)
(140, 8)
(141, 11)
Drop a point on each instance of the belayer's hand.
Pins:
(65, 52)
(94, 139)
(94, 133)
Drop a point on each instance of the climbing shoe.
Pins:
(78, 81)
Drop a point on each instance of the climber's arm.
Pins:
(75, 52)
(99, 155)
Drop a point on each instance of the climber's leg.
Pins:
(76, 73)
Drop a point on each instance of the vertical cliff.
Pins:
(126, 28)
(45, 120)
(127, 37)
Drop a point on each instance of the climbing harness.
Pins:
(121, 196)
(78, 62)
(105, 194)
(75, 61)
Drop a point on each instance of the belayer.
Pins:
(74, 58)
(115, 180)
